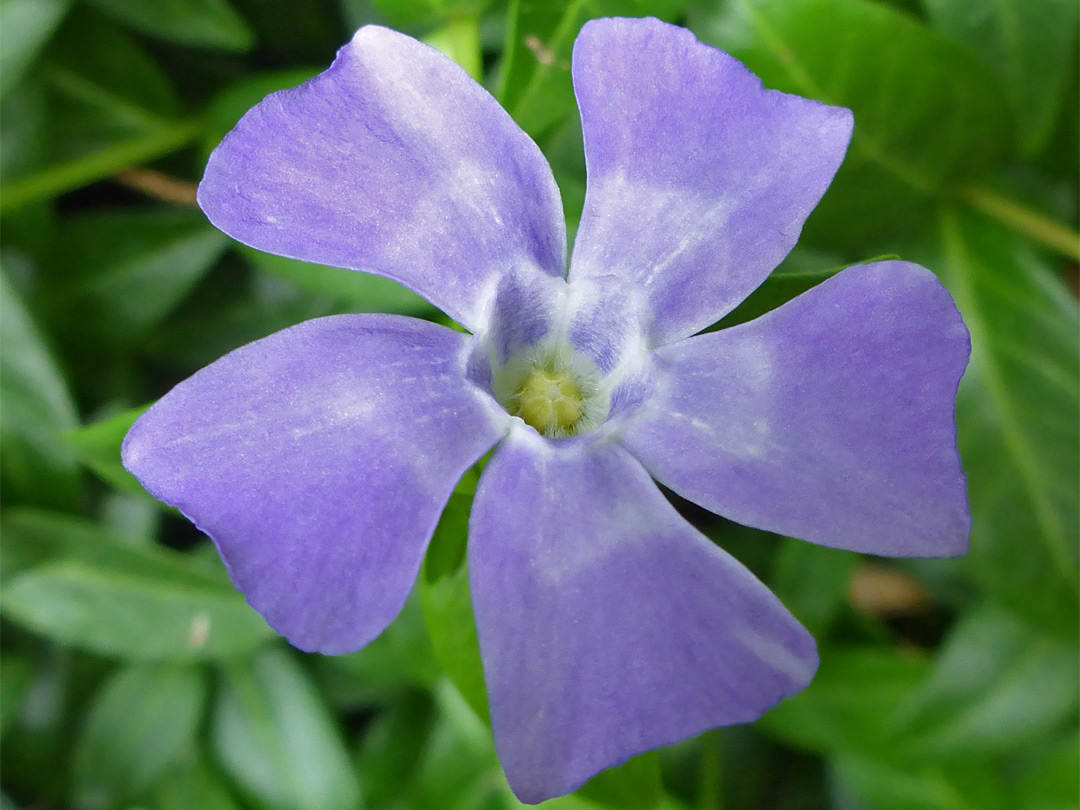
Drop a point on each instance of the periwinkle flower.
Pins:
(319, 459)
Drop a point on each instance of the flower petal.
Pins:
(699, 180)
(394, 162)
(319, 460)
(831, 418)
(608, 625)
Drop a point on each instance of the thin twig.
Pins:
(159, 186)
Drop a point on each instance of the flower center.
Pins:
(549, 401)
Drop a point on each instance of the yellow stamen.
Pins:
(551, 402)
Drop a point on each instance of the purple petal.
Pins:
(319, 461)
(394, 162)
(699, 180)
(831, 419)
(608, 625)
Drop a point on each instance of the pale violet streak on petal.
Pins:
(609, 625)
(394, 162)
(699, 179)
(319, 460)
(831, 419)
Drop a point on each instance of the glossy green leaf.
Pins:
(140, 725)
(351, 290)
(1019, 436)
(801, 271)
(275, 738)
(31, 537)
(997, 685)
(633, 786)
(129, 269)
(100, 76)
(447, 603)
(196, 787)
(928, 115)
(458, 769)
(812, 581)
(398, 661)
(393, 746)
(109, 106)
(851, 704)
(885, 785)
(534, 83)
(24, 130)
(1053, 781)
(243, 308)
(534, 78)
(201, 23)
(132, 615)
(459, 40)
(16, 674)
(1030, 45)
(25, 27)
(37, 410)
(98, 447)
(428, 12)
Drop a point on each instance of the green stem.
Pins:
(1032, 224)
(56, 180)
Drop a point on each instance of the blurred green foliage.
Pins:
(132, 675)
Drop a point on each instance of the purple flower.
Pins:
(320, 458)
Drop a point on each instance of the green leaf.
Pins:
(103, 81)
(997, 685)
(400, 660)
(633, 786)
(1019, 437)
(205, 23)
(16, 675)
(67, 175)
(275, 738)
(37, 410)
(352, 290)
(927, 114)
(1053, 783)
(32, 537)
(459, 40)
(812, 582)
(885, 785)
(25, 27)
(458, 769)
(194, 788)
(132, 614)
(140, 726)
(24, 131)
(98, 447)
(393, 746)
(447, 604)
(127, 270)
(108, 106)
(534, 83)
(1029, 45)
(534, 79)
(851, 703)
(427, 12)
(801, 271)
